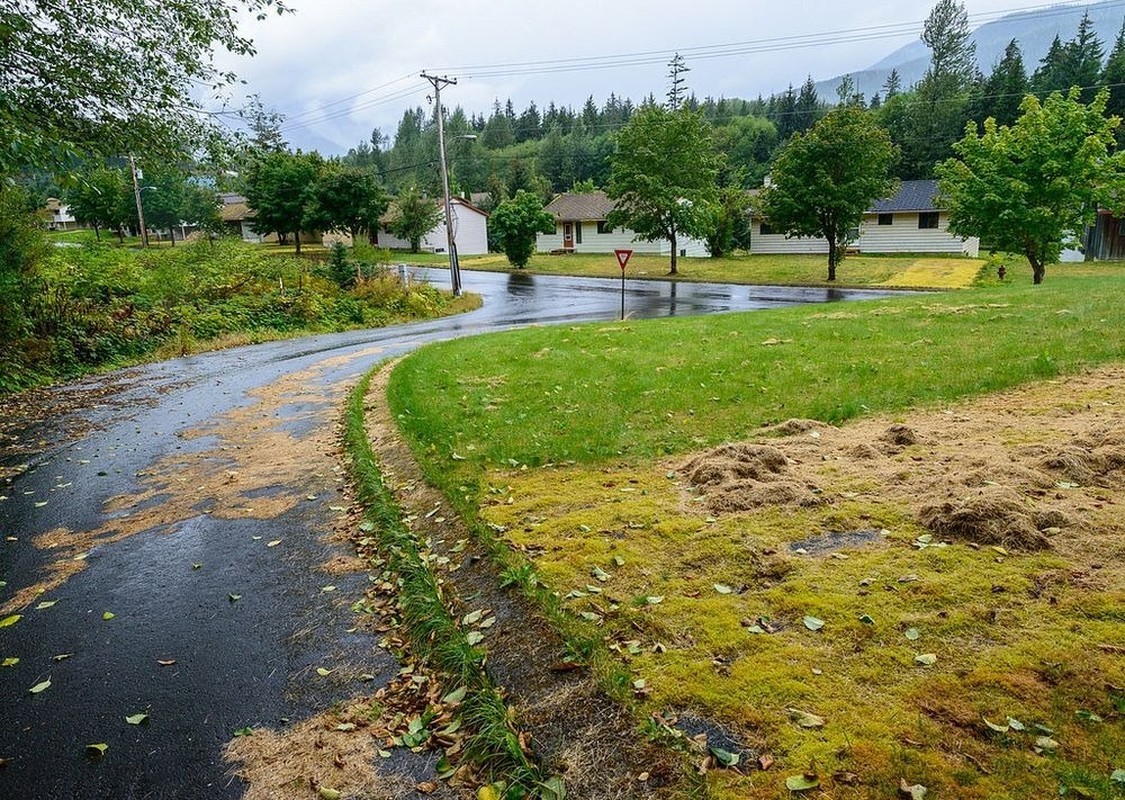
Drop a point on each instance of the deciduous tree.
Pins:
(663, 176)
(1028, 187)
(111, 77)
(347, 199)
(102, 198)
(413, 216)
(823, 181)
(516, 222)
(279, 190)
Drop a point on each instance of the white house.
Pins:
(580, 227)
(908, 222)
(58, 216)
(470, 231)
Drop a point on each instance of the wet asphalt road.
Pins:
(163, 515)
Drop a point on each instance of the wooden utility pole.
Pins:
(137, 197)
(451, 245)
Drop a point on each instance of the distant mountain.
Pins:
(1034, 30)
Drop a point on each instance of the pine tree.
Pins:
(677, 84)
(892, 85)
(1001, 94)
(1113, 76)
(1051, 76)
(807, 107)
(1084, 54)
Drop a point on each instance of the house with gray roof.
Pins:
(580, 227)
(909, 221)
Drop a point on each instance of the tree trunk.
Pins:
(172, 235)
(97, 233)
(675, 252)
(833, 258)
(1038, 268)
(297, 241)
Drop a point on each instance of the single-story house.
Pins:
(907, 222)
(470, 231)
(580, 227)
(238, 218)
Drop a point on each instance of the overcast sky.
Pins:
(338, 68)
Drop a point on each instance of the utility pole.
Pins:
(137, 197)
(451, 245)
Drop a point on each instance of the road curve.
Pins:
(181, 558)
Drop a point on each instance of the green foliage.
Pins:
(69, 309)
(102, 198)
(663, 176)
(346, 199)
(823, 181)
(22, 248)
(731, 225)
(115, 78)
(516, 222)
(1027, 187)
(279, 188)
(413, 216)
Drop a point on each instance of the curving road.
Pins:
(181, 558)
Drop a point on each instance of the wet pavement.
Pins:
(180, 559)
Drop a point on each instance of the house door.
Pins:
(568, 235)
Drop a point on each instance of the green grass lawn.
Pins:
(918, 271)
(566, 441)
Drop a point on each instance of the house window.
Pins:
(928, 219)
(887, 219)
(604, 227)
(765, 230)
(578, 233)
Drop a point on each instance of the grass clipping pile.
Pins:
(992, 473)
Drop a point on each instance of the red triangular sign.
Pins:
(622, 257)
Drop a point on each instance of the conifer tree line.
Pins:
(553, 148)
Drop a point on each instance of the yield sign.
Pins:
(622, 257)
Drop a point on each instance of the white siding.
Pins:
(469, 225)
(619, 239)
(902, 236)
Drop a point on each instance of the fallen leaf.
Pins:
(813, 624)
(804, 718)
(346, 726)
(472, 618)
(324, 793)
(274, 543)
(45, 604)
(915, 792)
(725, 758)
(1046, 744)
(912, 634)
(474, 638)
(802, 783)
(867, 619)
(247, 731)
(655, 599)
(40, 687)
(926, 659)
(456, 696)
(197, 565)
(619, 560)
(765, 761)
(96, 750)
(108, 615)
(327, 588)
(234, 598)
(322, 672)
(992, 726)
(722, 588)
(1117, 776)
(166, 662)
(137, 719)
(1016, 725)
(9, 662)
(426, 787)
(7, 622)
(600, 574)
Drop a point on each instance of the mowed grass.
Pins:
(904, 271)
(648, 388)
(564, 442)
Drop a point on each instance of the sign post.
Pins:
(622, 260)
